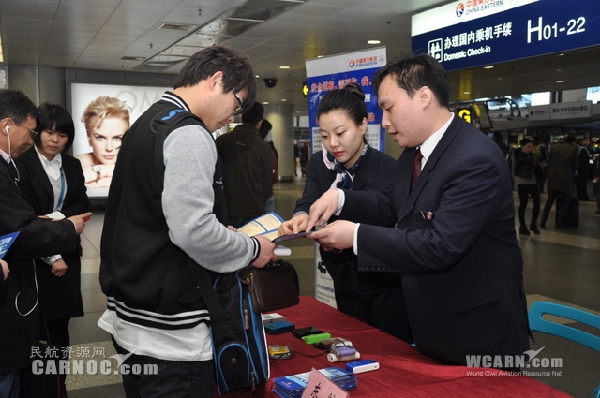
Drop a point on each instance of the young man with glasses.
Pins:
(37, 238)
(248, 161)
(166, 213)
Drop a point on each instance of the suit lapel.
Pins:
(359, 181)
(437, 153)
(38, 170)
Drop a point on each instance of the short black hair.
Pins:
(264, 129)
(415, 71)
(237, 71)
(350, 99)
(254, 114)
(56, 118)
(525, 141)
(16, 105)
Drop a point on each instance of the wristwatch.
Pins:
(98, 171)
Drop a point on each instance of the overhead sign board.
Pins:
(562, 110)
(472, 33)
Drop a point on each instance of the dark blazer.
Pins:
(375, 172)
(37, 238)
(60, 297)
(563, 161)
(455, 246)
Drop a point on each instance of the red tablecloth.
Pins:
(404, 372)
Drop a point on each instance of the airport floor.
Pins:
(561, 265)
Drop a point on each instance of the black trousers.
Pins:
(526, 190)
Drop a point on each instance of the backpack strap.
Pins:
(164, 123)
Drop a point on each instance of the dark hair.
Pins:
(413, 72)
(237, 71)
(525, 141)
(264, 129)
(16, 105)
(350, 99)
(570, 136)
(253, 115)
(56, 118)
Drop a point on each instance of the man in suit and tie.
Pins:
(455, 243)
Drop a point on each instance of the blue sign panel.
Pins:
(318, 86)
(539, 28)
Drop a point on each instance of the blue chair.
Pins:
(539, 324)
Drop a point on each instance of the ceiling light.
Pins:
(177, 26)
(488, 67)
(244, 19)
(319, 56)
(128, 58)
(265, 103)
(257, 76)
(466, 92)
(284, 67)
(373, 41)
(560, 81)
(284, 99)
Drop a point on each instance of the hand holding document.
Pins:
(267, 225)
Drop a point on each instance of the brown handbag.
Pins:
(273, 287)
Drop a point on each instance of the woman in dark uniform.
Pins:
(52, 184)
(348, 162)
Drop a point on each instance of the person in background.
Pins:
(19, 325)
(455, 243)
(267, 135)
(563, 162)
(106, 120)
(583, 171)
(296, 158)
(527, 170)
(539, 150)
(498, 138)
(52, 184)
(165, 214)
(248, 161)
(304, 154)
(347, 161)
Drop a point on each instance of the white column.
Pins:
(281, 116)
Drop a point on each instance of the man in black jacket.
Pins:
(248, 161)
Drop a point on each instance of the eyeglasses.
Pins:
(32, 133)
(237, 110)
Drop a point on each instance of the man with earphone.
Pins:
(38, 238)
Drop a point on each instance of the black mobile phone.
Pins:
(306, 331)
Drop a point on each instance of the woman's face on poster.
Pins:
(106, 139)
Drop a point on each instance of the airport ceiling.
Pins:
(130, 35)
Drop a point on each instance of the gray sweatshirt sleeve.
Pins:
(190, 157)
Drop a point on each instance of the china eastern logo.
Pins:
(352, 63)
(460, 9)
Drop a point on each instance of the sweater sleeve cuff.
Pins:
(256, 249)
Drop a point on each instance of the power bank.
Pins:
(362, 366)
(279, 327)
(301, 332)
(316, 338)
